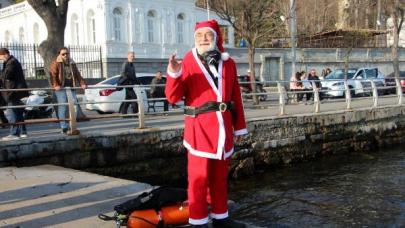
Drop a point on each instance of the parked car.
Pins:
(390, 81)
(111, 94)
(358, 81)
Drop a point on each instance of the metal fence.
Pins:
(279, 98)
(87, 57)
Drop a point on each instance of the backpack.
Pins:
(154, 199)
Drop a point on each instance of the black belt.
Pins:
(210, 106)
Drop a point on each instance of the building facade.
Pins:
(153, 29)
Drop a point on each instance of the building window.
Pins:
(117, 24)
(7, 37)
(75, 29)
(180, 28)
(224, 31)
(21, 36)
(151, 26)
(91, 27)
(35, 31)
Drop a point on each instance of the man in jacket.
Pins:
(207, 81)
(12, 77)
(128, 77)
(313, 77)
(157, 89)
(3, 118)
(64, 73)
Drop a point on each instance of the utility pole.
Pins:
(208, 10)
(293, 30)
(378, 22)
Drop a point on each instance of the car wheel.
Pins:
(102, 113)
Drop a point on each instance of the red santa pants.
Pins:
(207, 184)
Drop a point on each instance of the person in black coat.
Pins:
(313, 77)
(12, 77)
(3, 118)
(128, 77)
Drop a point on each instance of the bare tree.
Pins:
(54, 14)
(252, 21)
(397, 15)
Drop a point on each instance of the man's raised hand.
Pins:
(174, 65)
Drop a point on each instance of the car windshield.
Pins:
(339, 74)
(145, 80)
(371, 73)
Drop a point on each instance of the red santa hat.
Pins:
(214, 27)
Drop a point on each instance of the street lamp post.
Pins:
(208, 10)
(293, 28)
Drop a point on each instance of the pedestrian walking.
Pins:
(12, 77)
(207, 81)
(128, 77)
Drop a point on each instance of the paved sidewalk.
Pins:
(51, 196)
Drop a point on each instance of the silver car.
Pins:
(358, 81)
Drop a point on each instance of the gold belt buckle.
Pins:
(223, 107)
(189, 108)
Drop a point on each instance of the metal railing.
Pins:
(87, 57)
(284, 94)
(280, 93)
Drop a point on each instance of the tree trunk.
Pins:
(394, 48)
(48, 49)
(55, 20)
(251, 54)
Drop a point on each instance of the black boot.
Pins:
(200, 226)
(227, 223)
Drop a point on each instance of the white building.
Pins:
(154, 29)
(151, 28)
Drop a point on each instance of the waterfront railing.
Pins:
(277, 94)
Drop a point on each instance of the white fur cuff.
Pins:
(240, 132)
(225, 56)
(175, 74)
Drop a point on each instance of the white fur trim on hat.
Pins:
(224, 56)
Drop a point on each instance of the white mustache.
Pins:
(201, 48)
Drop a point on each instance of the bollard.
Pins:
(141, 109)
(282, 96)
(399, 90)
(348, 96)
(317, 102)
(72, 111)
(375, 94)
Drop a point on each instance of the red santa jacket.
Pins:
(209, 134)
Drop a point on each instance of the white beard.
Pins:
(203, 49)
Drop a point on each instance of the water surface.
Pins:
(353, 190)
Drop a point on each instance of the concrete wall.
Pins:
(307, 58)
(157, 156)
(318, 58)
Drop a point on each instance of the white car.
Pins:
(358, 81)
(100, 95)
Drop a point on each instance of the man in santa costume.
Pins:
(207, 81)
